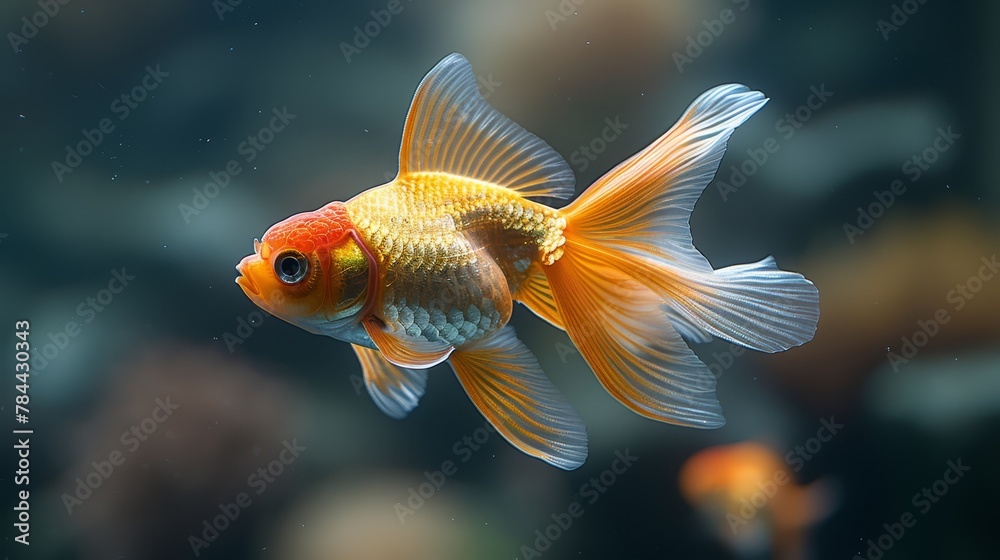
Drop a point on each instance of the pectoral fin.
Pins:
(395, 390)
(404, 351)
(508, 386)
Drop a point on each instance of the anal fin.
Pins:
(535, 293)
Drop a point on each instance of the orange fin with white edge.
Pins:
(450, 128)
(405, 351)
(637, 218)
(622, 331)
(395, 390)
(504, 380)
(631, 284)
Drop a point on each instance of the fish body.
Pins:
(451, 252)
(750, 499)
(425, 269)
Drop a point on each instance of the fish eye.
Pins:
(291, 267)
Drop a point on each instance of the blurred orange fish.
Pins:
(750, 498)
(426, 269)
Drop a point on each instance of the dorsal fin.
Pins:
(450, 128)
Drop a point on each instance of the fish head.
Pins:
(309, 270)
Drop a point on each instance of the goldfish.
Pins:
(425, 269)
(749, 497)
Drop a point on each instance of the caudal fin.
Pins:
(631, 282)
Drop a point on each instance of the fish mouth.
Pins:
(246, 282)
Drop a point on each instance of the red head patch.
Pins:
(309, 231)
